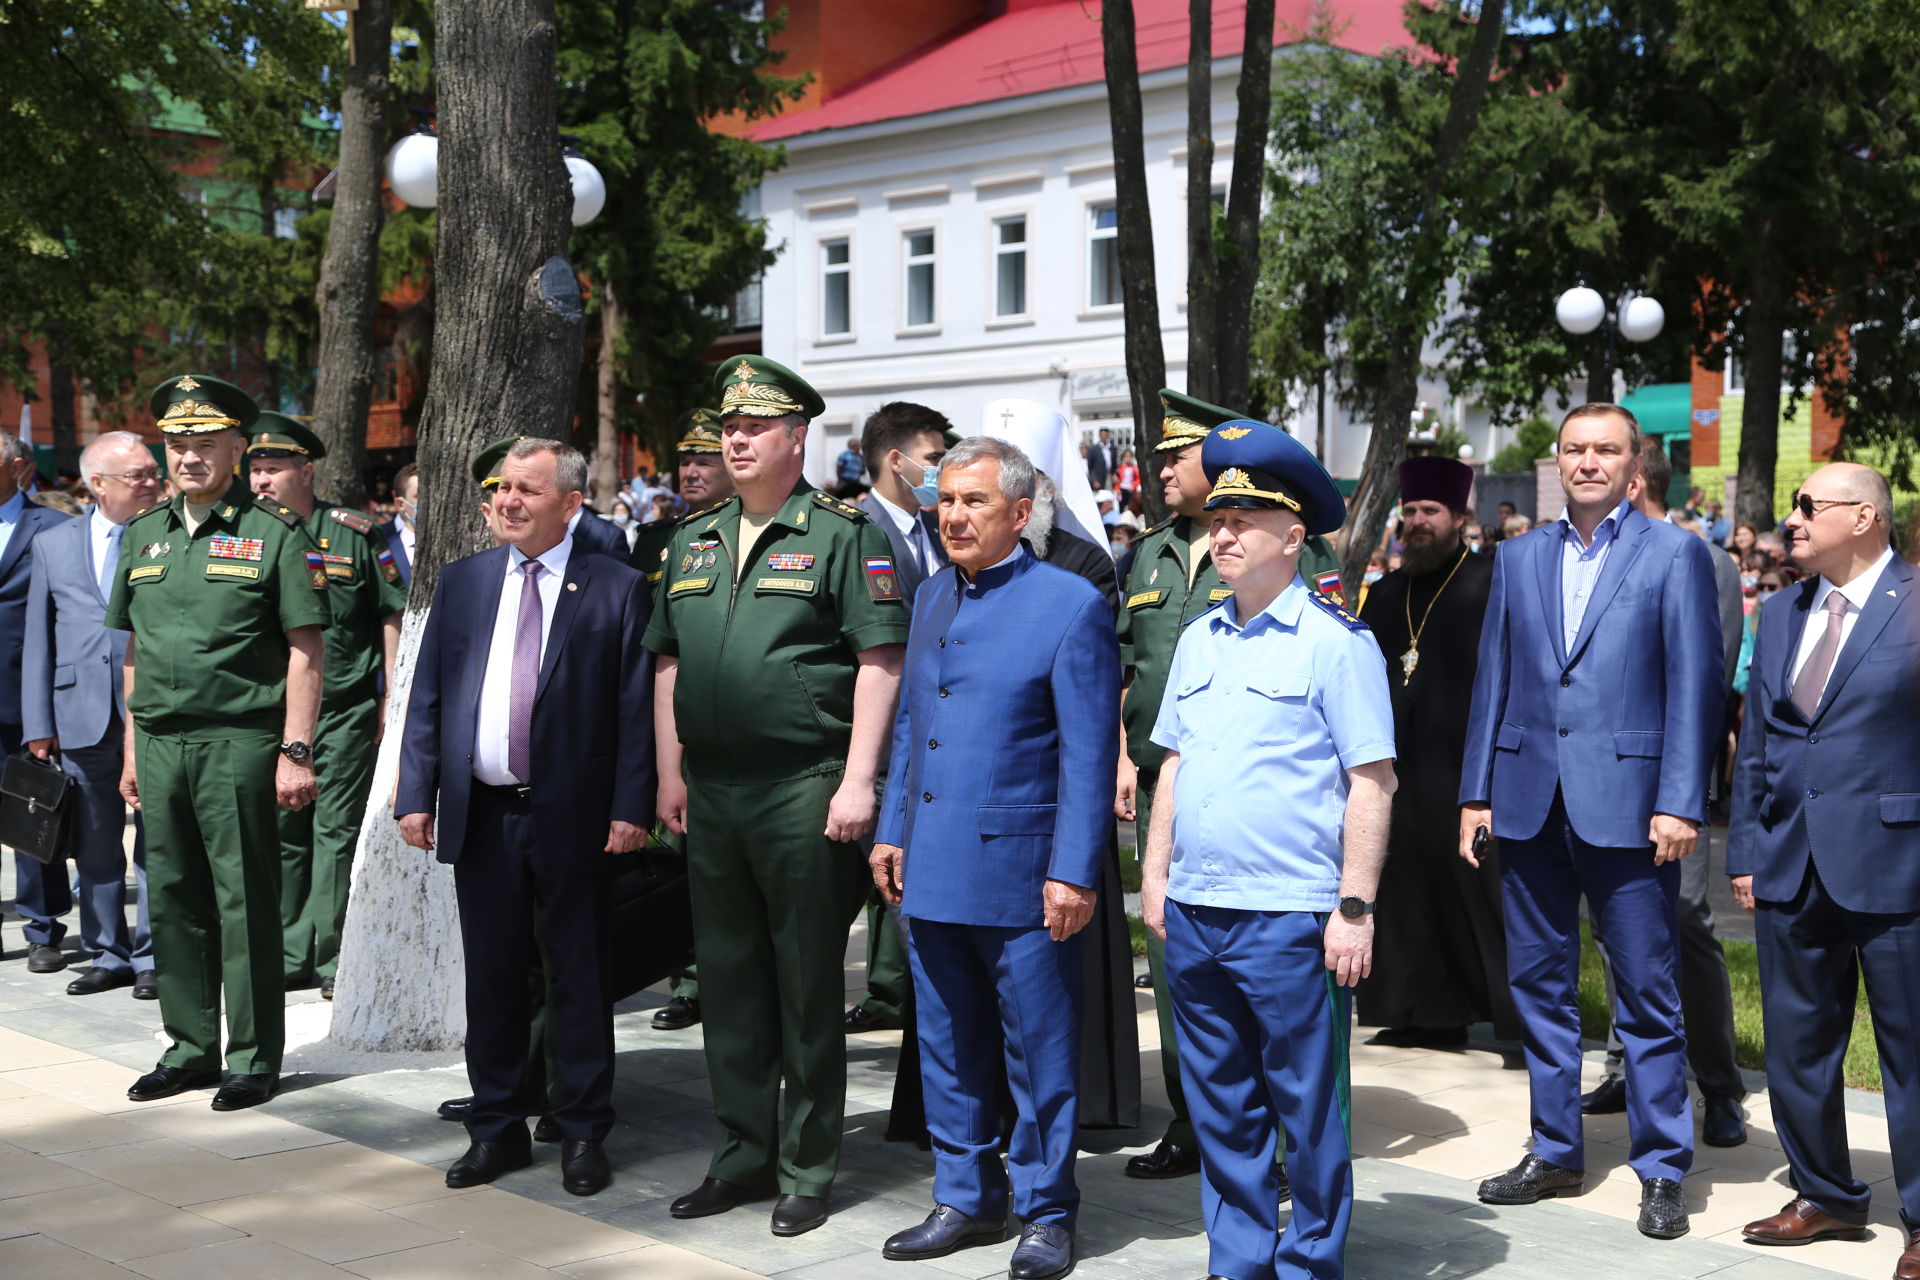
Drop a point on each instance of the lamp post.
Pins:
(1581, 310)
(413, 172)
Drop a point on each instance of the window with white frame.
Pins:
(836, 288)
(917, 261)
(1010, 267)
(1103, 255)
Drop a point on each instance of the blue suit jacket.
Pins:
(1839, 790)
(1005, 743)
(600, 536)
(1623, 724)
(396, 544)
(16, 571)
(70, 680)
(592, 725)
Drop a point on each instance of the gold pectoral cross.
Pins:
(1408, 661)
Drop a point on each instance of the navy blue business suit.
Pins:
(592, 763)
(1577, 748)
(1826, 819)
(1004, 749)
(600, 536)
(39, 901)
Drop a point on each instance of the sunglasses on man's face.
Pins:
(1809, 507)
(1766, 586)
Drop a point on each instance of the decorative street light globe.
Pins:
(1641, 319)
(413, 170)
(1580, 310)
(589, 188)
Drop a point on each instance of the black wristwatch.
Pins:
(1354, 908)
(298, 752)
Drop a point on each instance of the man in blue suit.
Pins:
(1825, 848)
(1594, 710)
(73, 703)
(39, 900)
(527, 762)
(399, 531)
(991, 835)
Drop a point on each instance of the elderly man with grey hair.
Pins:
(991, 839)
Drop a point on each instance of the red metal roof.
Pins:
(1038, 45)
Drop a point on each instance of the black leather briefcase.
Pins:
(36, 808)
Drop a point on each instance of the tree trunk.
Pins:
(1761, 347)
(65, 432)
(1378, 493)
(1239, 267)
(1146, 359)
(507, 347)
(1202, 274)
(1600, 365)
(349, 288)
(606, 453)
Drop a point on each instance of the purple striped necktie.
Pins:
(526, 675)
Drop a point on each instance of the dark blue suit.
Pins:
(600, 536)
(35, 899)
(398, 545)
(1826, 819)
(592, 763)
(1577, 748)
(1004, 751)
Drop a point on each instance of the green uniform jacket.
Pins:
(363, 587)
(767, 666)
(1156, 604)
(210, 612)
(649, 554)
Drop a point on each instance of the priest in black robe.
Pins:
(1439, 951)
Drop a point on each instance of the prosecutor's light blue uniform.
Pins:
(1826, 819)
(1267, 715)
(1004, 751)
(1598, 697)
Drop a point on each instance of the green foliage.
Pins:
(1534, 441)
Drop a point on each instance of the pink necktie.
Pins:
(526, 676)
(1813, 677)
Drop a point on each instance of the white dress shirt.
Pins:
(496, 687)
(406, 536)
(11, 512)
(908, 522)
(1856, 593)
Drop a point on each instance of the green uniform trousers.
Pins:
(317, 843)
(888, 981)
(773, 900)
(213, 882)
(1180, 1130)
(686, 982)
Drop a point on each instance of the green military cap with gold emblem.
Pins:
(275, 435)
(699, 431)
(763, 388)
(1186, 420)
(195, 404)
(487, 463)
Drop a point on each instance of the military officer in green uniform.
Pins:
(226, 600)
(705, 483)
(780, 632)
(367, 598)
(1166, 581)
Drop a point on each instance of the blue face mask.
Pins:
(927, 492)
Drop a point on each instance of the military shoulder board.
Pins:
(352, 519)
(1338, 610)
(844, 509)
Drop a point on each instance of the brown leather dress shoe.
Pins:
(1801, 1222)
(1908, 1268)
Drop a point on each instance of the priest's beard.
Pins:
(1425, 552)
(1039, 530)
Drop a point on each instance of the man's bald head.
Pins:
(1857, 483)
(1852, 512)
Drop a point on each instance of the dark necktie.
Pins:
(526, 676)
(1813, 677)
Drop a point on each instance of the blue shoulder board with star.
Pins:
(1328, 605)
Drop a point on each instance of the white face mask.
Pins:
(622, 519)
(1373, 575)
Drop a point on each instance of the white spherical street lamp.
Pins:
(413, 169)
(589, 188)
(1641, 319)
(1580, 310)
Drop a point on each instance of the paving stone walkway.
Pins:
(342, 1174)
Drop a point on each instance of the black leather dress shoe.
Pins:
(584, 1170)
(715, 1195)
(164, 1082)
(42, 958)
(1724, 1122)
(1663, 1212)
(1530, 1180)
(797, 1215)
(1168, 1160)
(860, 1018)
(1143, 981)
(456, 1109)
(146, 986)
(485, 1161)
(1608, 1098)
(240, 1092)
(546, 1130)
(676, 1014)
(326, 988)
(945, 1230)
(1044, 1250)
(96, 980)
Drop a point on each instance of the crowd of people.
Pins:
(933, 702)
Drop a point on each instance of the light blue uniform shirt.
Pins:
(1267, 718)
(1580, 567)
(10, 512)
